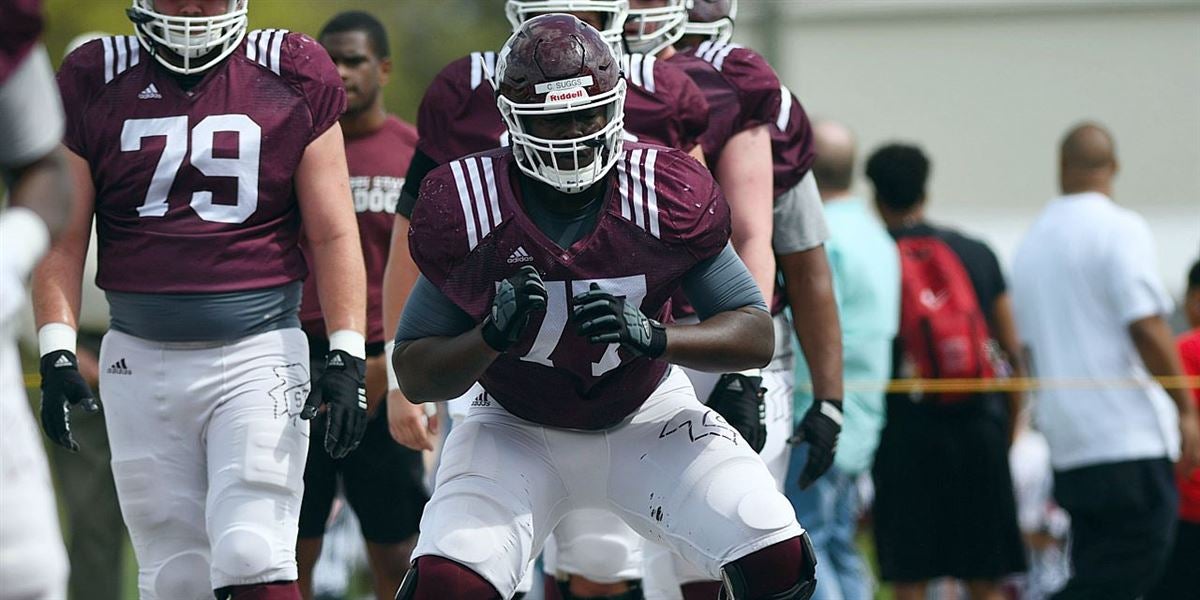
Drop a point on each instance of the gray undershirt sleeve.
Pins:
(429, 313)
(721, 283)
(799, 219)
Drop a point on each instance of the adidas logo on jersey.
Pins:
(151, 92)
(119, 368)
(519, 256)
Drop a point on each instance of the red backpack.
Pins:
(943, 332)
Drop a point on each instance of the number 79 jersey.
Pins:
(194, 187)
(662, 214)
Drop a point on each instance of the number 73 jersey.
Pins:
(662, 214)
(194, 187)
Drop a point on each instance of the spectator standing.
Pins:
(944, 504)
(1180, 577)
(1089, 304)
(382, 479)
(866, 278)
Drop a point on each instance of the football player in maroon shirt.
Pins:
(546, 271)
(204, 151)
(383, 481)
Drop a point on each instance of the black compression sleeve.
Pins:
(420, 166)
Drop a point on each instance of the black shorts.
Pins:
(944, 503)
(383, 481)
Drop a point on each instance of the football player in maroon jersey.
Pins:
(382, 480)
(33, 562)
(458, 116)
(799, 230)
(203, 152)
(745, 92)
(546, 269)
(737, 148)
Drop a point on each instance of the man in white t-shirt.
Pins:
(1089, 305)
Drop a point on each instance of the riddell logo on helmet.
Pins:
(567, 95)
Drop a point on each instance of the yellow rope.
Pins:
(1015, 384)
(931, 386)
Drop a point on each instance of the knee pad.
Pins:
(243, 554)
(736, 576)
(184, 576)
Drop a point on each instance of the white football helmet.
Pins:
(652, 29)
(553, 65)
(614, 11)
(189, 38)
(712, 19)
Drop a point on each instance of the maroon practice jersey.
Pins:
(663, 214)
(663, 105)
(725, 114)
(194, 190)
(377, 162)
(765, 99)
(458, 114)
(20, 26)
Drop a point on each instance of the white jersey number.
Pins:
(174, 131)
(633, 288)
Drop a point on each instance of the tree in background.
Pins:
(426, 34)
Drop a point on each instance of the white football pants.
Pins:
(208, 454)
(663, 570)
(674, 471)
(33, 561)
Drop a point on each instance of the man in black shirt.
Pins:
(944, 502)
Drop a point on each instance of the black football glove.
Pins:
(820, 428)
(739, 399)
(343, 387)
(62, 388)
(606, 319)
(516, 299)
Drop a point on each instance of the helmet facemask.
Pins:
(709, 23)
(614, 12)
(653, 29)
(197, 42)
(570, 165)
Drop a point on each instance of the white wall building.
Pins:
(988, 88)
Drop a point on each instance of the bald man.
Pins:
(866, 279)
(1089, 305)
